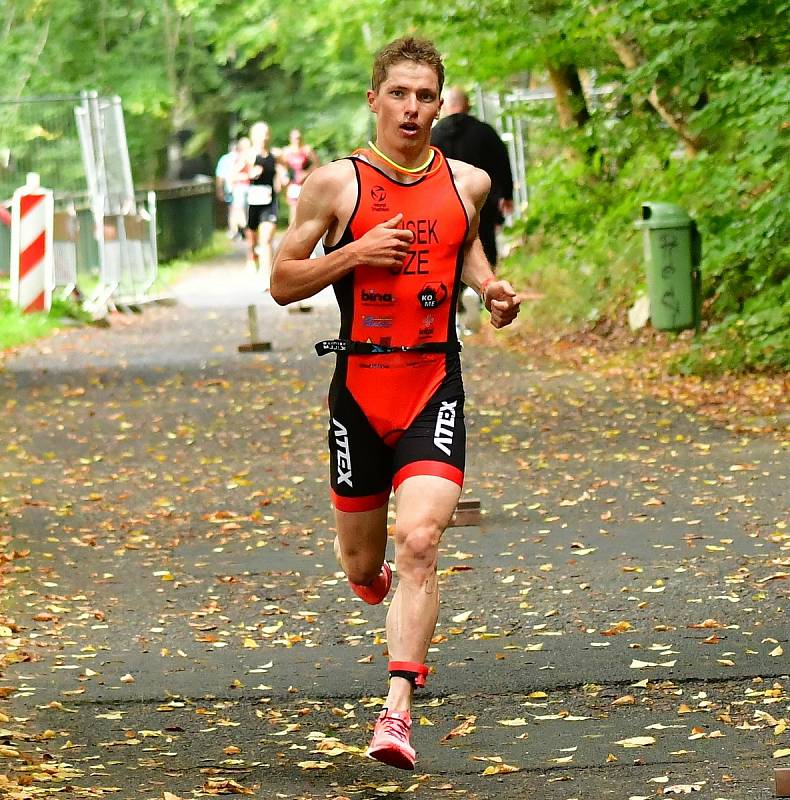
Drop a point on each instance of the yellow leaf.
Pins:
(462, 617)
(499, 769)
(251, 644)
(637, 741)
(625, 700)
(464, 729)
(111, 715)
(782, 753)
(618, 627)
(314, 764)
(271, 629)
(513, 723)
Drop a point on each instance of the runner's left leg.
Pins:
(425, 506)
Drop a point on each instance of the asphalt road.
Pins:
(614, 628)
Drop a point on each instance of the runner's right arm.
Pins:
(296, 276)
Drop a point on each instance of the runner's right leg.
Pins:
(251, 237)
(361, 543)
(266, 250)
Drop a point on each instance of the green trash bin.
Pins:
(673, 252)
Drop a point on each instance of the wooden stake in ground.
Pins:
(782, 777)
(255, 345)
(467, 513)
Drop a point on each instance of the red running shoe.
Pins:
(374, 593)
(390, 743)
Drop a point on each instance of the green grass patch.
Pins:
(17, 328)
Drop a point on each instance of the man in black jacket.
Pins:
(461, 136)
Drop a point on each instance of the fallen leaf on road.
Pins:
(637, 741)
(224, 786)
(636, 664)
(625, 700)
(684, 788)
(464, 729)
(618, 627)
(499, 769)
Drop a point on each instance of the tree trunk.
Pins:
(630, 58)
(569, 96)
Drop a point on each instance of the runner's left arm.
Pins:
(498, 295)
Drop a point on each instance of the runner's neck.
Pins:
(416, 168)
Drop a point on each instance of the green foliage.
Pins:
(717, 67)
(714, 70)
(758, 338)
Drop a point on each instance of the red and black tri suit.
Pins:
(394, 415)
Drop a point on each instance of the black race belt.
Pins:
(351, 347)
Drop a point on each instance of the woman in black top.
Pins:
(262, 201)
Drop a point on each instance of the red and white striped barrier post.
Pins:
(31, 246)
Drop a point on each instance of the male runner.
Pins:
(400, 233)
(460, 135)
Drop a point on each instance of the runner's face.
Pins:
(406, 104)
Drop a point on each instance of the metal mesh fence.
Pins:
(40, 135)
(514, 114)
(77, 145)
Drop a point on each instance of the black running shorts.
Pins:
(364, 469)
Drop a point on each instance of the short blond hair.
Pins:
(408, 48)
